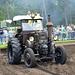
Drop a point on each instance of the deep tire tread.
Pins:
(30, 51)
(16, 48)
(64, 56)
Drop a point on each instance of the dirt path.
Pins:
(65, 43)
(7, 69)
(46, 68)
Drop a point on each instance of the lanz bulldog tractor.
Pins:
(32, 41)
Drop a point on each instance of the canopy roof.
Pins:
(26, 17)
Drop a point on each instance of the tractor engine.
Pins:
(42, 42)
(43, 49)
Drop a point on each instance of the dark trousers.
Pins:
(72, 35)
(69, 35)
(1, 38)
(63, 36)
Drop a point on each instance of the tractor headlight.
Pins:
(31, 38)
(55, 37)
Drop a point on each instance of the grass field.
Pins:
(4, 45)
(64, 40)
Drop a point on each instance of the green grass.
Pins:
(64, 40)
(3, 45)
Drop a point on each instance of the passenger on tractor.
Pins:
(35, 13)
(29, 13)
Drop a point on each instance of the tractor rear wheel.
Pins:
(14, 51)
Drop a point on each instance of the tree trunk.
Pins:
(8, 17)
(7, 11)
(65, 16)
(70, 18)
(45, 10)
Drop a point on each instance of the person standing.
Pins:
(5, 35)
(58, 32)
(1, 35)
(74, 32)
(10, 33)
(69, 29)
(63, 32)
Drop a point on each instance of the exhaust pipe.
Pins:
(49, 27)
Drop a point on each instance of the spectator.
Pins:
(57, 33)
(1, 35)
(74, 31)
(53, 31)
(69, 29)
(13, 32)
(10, 33)
(5, 35)
(63, 32)
(58, 30)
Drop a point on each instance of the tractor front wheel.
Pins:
(60, 55)
(29, 58)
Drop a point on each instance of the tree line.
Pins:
(61, 11)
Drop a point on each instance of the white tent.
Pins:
(9, 21)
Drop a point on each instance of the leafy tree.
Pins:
(61, 11)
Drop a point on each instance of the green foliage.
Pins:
(2, 16)
(53, 7)
(14, 28)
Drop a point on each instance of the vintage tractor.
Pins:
(32, 41)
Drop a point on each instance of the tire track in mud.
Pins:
(41, 68)
(3, 69)
(45, 70)
(21, 69)
(10, 69)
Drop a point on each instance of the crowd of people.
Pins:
(5, 34)
(64, 32)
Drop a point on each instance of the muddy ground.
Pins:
(46, 68)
